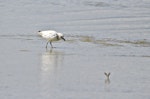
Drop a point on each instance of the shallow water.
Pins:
(101, 36)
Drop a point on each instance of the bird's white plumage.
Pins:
(51, 35)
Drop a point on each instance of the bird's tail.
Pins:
(39, 33)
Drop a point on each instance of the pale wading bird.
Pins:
(50, 36)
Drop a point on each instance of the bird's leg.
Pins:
(51, 44)
(47, 44)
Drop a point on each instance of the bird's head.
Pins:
(61, 36)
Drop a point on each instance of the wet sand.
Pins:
(100, 37)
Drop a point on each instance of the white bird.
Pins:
(50, 36)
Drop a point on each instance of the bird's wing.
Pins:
(46, 32)
(49, 34)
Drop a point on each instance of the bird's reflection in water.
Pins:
(51, 63)
(50, 60)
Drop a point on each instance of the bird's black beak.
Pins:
(63, 38)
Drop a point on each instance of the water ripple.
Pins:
(109, 41)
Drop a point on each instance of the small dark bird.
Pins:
(107, 80)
